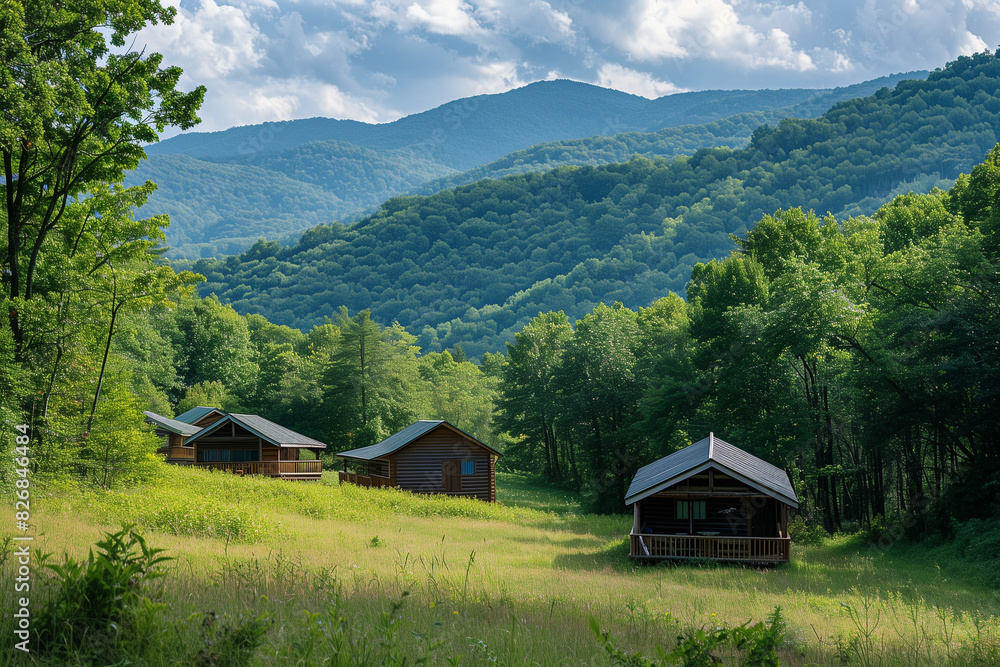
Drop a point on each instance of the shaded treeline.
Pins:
(861, 354)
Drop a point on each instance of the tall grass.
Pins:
(495, 584)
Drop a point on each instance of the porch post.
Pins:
(635, 520)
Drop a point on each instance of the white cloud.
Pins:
(444, 17)
(495, 77)
(537, 20)
(970, 43)
(211, 42)
(705, 29)
(630, 81)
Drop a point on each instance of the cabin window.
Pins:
(213, 455)
(469, 467)
(691, 509)
(246, 455)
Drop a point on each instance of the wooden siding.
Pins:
(418, 466)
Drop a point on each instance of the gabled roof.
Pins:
(397, 441)
(172, 425)
(194, 414)
(276, 434)
(712, 453)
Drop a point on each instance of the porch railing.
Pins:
(271, 468)
(365, 480)
(747, 549)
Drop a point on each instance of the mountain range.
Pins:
(224, 190)
(473, 263)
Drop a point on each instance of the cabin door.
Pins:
(451, 476)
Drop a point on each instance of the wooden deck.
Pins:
(300, 470)
(736, 549)
(366, 480)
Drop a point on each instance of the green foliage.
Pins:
(978, 539)
(158, 507)
(370, 382)
(208, 393)
(697, 647)
(229, 506)
(802, 533)
(77, 264)
(120, 451)
(97, 604)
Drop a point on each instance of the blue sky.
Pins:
(377, 61)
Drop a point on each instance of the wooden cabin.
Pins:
(238, 443)
(430, 456)
(711, 500)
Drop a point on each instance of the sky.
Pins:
(265, 60)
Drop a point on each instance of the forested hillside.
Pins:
(475, 263)
(344, 168)
(223, 208)
(733, 132)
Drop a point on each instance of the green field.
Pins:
(326, 574)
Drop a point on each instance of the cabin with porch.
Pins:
(711, 500)
(238, 443)
(430, 456)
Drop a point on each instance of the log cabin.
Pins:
(429, 456)
(238, 443)
(711, 500)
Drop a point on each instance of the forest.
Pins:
(473, 264)
(858, 350)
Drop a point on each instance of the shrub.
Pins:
(99, 602)
(803, 533)
(696, 648)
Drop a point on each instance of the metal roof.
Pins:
(265, 428)
(711, 452)
(397, 441)
(172, 425)
(194, 414)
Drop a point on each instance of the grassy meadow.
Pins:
(272, 572)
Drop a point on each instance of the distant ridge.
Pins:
(514, 120)
(223, 190)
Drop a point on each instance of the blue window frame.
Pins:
(469, 467)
